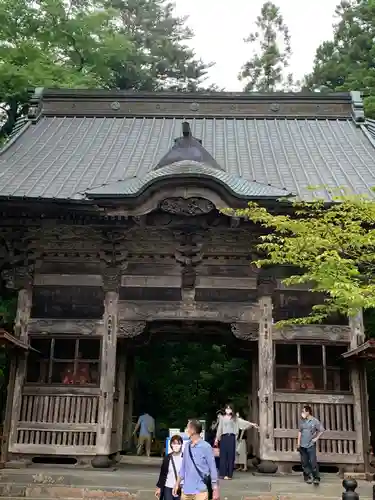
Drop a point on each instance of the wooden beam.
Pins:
(37, 449)
(325, 458)
(266, 361)
(292, 434)
(68, 280)
(189, 310)
(61, 326)
(301, 397)
(328, 333)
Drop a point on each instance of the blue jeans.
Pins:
(309, 462)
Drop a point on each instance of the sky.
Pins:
(220, 27)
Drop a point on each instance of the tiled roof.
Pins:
(65, 157)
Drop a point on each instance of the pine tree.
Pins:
(265, 71)
(348, 61)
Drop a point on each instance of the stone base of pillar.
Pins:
(101, 462)
(267, 467)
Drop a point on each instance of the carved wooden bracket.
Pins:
(245, 331)
(189, 255)
(113, 256)
(187, 206)
(131, 329)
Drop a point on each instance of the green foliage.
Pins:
(7, 311)
(181, 380)
(124, 44)
(347, 62)
(333, 247)
(265, 71)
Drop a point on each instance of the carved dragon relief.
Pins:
(131, 329)
(187, 206)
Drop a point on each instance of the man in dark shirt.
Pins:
(310, 430)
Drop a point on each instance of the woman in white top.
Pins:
(169, 470)
(241, 449)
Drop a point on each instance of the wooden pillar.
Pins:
(255, 403)
(357, 337)
(121, 384)
(23, 281)
(265, 360)
(107, 375)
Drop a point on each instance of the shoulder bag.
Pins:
(206, 478)
(176, 476)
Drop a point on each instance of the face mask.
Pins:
(228, 411)
(176, 448)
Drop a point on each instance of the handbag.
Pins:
(206, 478)
(176, 476)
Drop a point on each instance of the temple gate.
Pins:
(108, 227)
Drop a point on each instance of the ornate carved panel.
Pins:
(131, 329)
(187, 206)
(18, 277)
(193, 311)
(62, 326)
(245, 331)
(334, 333)
(73, 302)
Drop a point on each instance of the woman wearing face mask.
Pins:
(226, 434)
(169, 470)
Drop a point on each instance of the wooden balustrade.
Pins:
(67, 421)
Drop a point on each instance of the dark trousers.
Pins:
(227, 454)
(167, 494)
(309, 462)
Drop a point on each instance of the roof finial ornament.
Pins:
(186, 131)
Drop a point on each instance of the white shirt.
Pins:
(171, 478)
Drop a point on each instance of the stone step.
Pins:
(228, 492)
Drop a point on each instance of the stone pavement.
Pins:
(128, 482)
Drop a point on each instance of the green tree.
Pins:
(97, 43)
(161, 60)
(333, 249)
(347, 62)
(189, 379)
(265, 70)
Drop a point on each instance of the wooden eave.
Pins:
(363, 351)
(9, 340)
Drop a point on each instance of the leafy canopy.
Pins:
(265, 70)
(122, 44)
(332, 247)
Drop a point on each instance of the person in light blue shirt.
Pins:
(198, 467)
(310, 430)
(146, 426)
